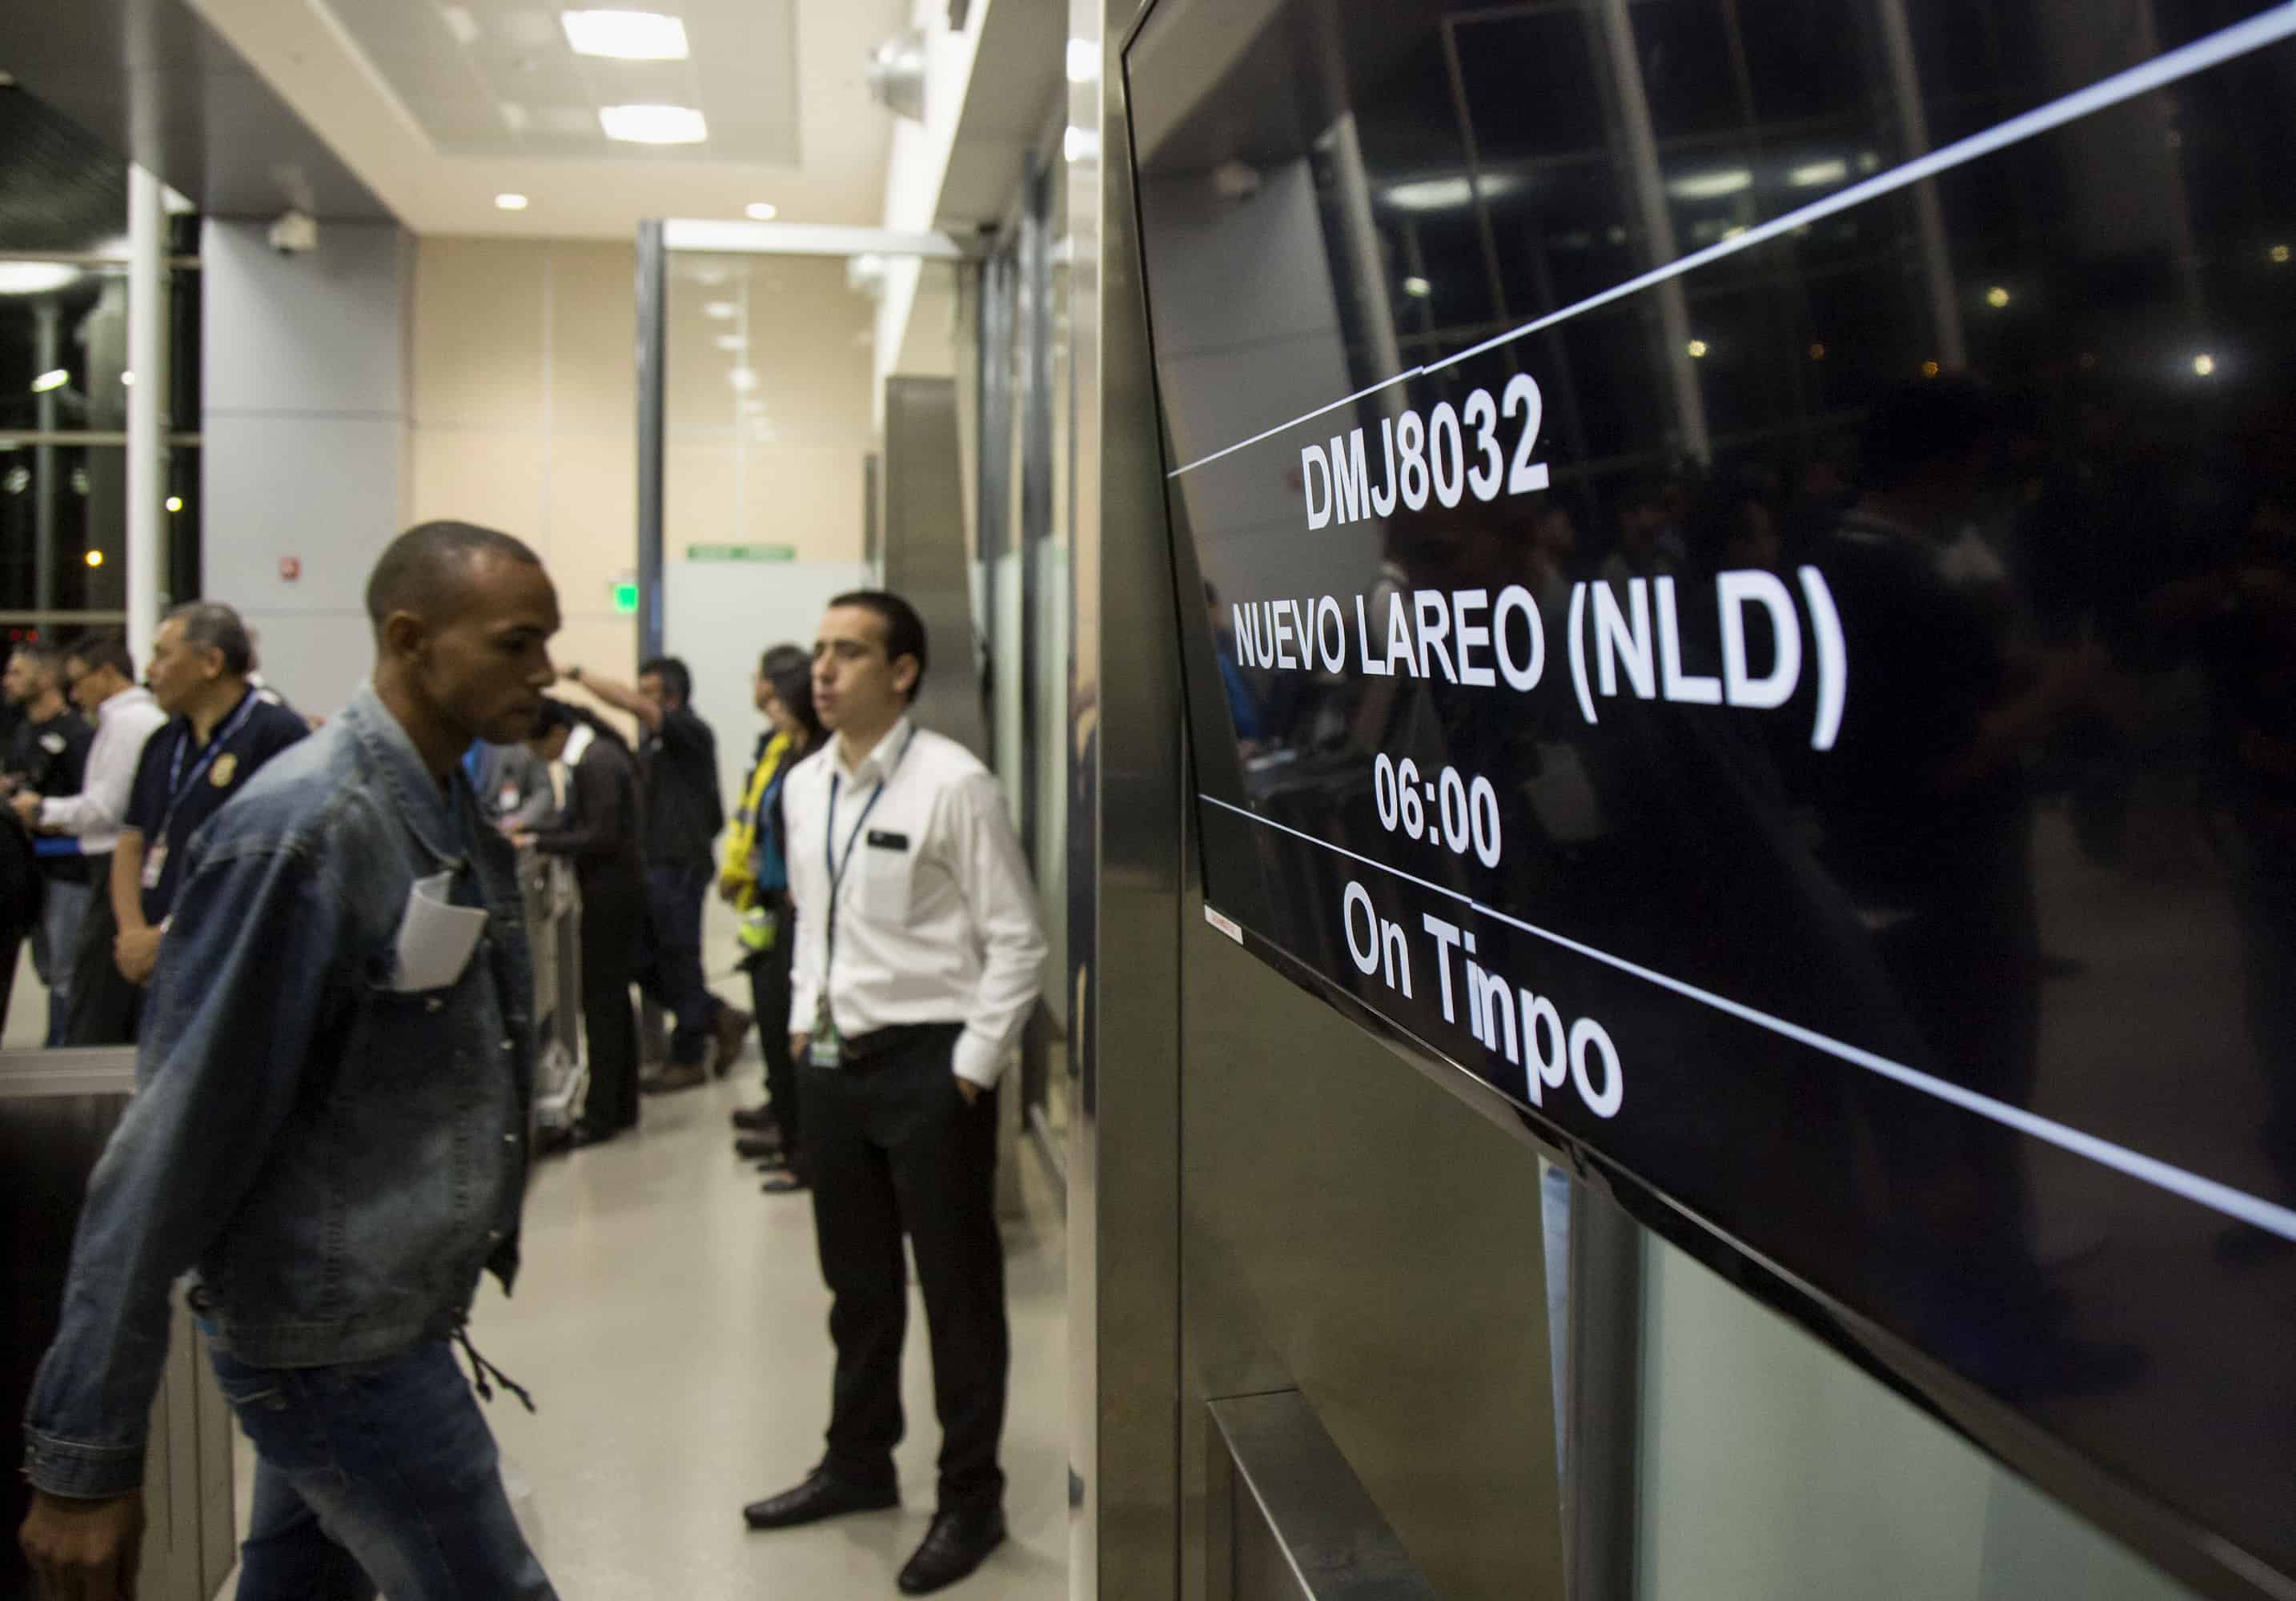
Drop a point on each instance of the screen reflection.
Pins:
(1906, 531)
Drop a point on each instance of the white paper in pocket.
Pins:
(436, 936)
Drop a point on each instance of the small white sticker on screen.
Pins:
(1226, 925)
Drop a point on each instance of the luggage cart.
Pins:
(553, 929)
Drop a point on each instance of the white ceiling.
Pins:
(414, 106)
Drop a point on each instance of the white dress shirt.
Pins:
(936, 916)
(122, 724)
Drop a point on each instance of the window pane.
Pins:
(63, 346)
(62, 521)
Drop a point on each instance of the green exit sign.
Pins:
(741, 552)
(626, 597)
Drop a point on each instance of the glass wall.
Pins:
(64, 379)
(769, 421)
(1025, 408)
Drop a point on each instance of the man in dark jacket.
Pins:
(48, 756)
(677, 771)
(599, 832)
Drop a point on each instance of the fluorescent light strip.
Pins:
(2269, 28)
(2150, 1170)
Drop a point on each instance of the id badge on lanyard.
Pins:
(826, 1049)
(155, 863)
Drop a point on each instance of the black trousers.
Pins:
(671, 971)
(106, 1009)
(613, 931)
(772, 980)
(895, 1149)
(13, 935)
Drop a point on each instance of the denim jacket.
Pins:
(338, 1160)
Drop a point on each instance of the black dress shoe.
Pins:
(756, 1147)
(957, 1543)
(753, 1120)
(820, 1496)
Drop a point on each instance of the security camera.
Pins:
(295, 234)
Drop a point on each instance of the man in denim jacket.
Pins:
(331, 1127)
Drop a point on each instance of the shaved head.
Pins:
(426, 570)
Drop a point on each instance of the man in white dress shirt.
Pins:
(918, 960)
(100, 676)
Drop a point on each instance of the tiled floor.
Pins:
(671, 1324)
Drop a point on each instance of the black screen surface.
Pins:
(1742, 561)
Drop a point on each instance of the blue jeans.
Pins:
(375, 1475)
(55, 941)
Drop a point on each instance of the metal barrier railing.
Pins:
(553, 930)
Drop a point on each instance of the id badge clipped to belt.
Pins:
(826, 1049)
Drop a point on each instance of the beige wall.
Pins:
(523, 417)
(524, 414)
(779, 462)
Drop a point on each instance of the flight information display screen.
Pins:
(1741, 572)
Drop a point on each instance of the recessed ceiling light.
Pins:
(174, 503)
(743, 379)
(1417, 288)
(760, 211)
(1083, 60)
(628, 36)
(720, 310)
(510, 202)
(33, 277)
(653, 124)
(2204, 364)
(732, 341)
(54, 379)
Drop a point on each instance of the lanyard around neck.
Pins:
(178, 786)
(838, 866)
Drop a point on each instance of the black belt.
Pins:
(866, 1050)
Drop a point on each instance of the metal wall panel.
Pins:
(925, 558)
(1124, 883)
(57, 1111)
(1262, 1195)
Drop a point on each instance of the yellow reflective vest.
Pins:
(738, 876)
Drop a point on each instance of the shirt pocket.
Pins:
(888, 883)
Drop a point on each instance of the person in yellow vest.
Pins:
(755, 881)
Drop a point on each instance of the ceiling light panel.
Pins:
(654, 124)
(627, 36)
(509, 77)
